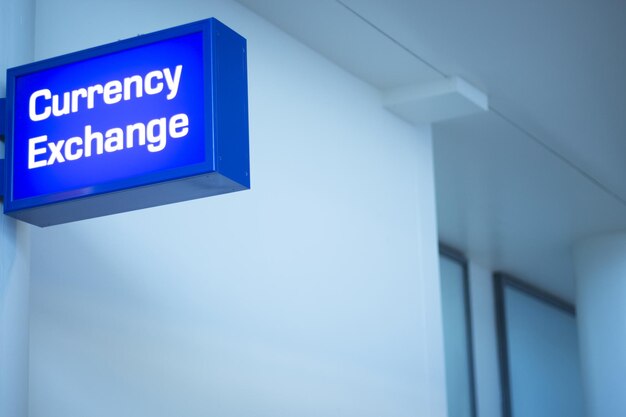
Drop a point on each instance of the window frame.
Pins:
(457, 256)
(500, 281)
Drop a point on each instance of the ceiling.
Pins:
(518, 185)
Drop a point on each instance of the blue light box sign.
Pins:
(152, 120)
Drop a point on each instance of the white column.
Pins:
(16, 47)
(601, 313)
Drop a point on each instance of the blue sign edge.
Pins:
(3, 117)
(230, 118)
(228, 167)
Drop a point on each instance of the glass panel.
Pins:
(544, 369)
(455, 330)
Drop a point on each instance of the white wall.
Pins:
(314, 294)
(14, 287)
(600, 264)
(16, 47)
(486, 365)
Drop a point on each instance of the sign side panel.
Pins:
(231, 104)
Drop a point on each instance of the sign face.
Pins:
(147, 121)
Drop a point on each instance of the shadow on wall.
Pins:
(14, 294)
(8, 233)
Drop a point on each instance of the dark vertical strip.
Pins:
(458, 257)
(1, 179)
(470, 337)
(3, 116)
(503, 349)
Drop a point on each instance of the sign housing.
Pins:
(156, 119)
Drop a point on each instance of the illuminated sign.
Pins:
(156, 119)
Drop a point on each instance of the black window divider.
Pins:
(458, 257)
